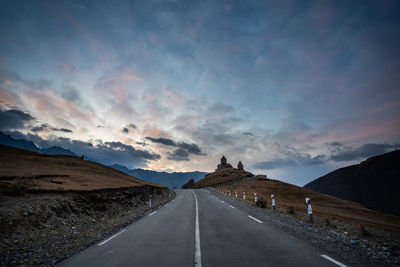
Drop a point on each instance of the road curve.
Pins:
(227, 237)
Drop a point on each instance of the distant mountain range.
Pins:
(30, 146)
(174, 179)
(375, 183)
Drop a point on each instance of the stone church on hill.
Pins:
(224, 164)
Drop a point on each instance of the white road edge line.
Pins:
(232, 207)
(333, 260)
(222, 201)
(108, 239)
(166, 205)
(152, 213)
(257, 220)
(197, 251)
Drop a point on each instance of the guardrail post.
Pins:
(273, 201)
(244, 196)
(255, 198)
(309, 209)
(150, 202)
(229, 193)
(236, 194)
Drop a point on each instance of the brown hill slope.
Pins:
(49, 201)
(291, 197)
(22, 170)
(375, 183)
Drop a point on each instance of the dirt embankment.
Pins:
(42, 229)
(54, 206)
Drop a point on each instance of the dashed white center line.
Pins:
(108, 239)
(232, 207)
(257, 220)
(152, 213)
(197, 248)
(333, 260)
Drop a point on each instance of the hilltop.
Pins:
(290, 198)
(31, 171)
(375, 183)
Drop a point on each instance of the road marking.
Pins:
(105, 241)
(166, 205)
(222, 201)
(257, 220)
(232, 207)
(152, 213)
(333, 260)
(197, 251)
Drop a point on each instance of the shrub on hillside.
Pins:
(188, 184)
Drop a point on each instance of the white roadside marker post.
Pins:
(255, 198)
(150, 202)
(229, 193)
(273, 201)
(309, 209)
(244, 196)
(236, 194)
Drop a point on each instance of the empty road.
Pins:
(211, 234)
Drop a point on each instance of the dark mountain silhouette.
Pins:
(7, 140)
(375, 183)
(174, 179)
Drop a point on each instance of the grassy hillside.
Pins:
(22, 170)
(291, 197)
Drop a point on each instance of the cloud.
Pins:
(365, 151)
(161, 140)
(125, 130)
(179, 154)
(133, 126)
(13, 119)
(46, 128)
(183, 149)
(247, 133)
(291, 160)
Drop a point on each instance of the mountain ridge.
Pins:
(374, 182)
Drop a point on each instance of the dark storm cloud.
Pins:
(125, 130)
(14, 119)
(339, 153)
(46, 128)
(133, 126)
(183, 149)
(362, 152)
(179, 154)
(247, 133)
(161, 140)
(291, 160)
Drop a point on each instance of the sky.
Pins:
(293, 89)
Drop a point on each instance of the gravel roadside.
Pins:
(362, 249)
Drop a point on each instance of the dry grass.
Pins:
(25, 170)
(288, 196)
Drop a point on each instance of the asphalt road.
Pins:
(225, 236)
